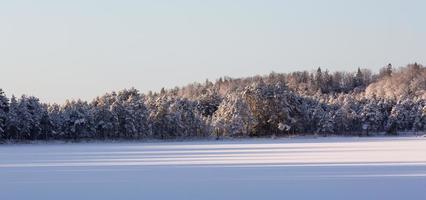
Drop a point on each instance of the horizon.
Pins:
(83, 49)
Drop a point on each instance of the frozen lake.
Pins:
(326, 168)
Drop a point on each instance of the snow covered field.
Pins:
(326, 168)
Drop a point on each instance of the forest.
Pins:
(320, 103)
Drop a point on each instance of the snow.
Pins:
(323, 168)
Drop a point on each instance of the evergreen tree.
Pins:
(4, 109)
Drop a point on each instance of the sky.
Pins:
(58, 50)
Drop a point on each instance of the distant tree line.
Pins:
(319, 102)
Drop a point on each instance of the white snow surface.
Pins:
(325, 168)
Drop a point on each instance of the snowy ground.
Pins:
(326, 168)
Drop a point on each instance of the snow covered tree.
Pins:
(419, 118)
(408, 82)
(158, 116)
(78, 120)
(188, 122)
(272, 105)
(139, 112)
(126, 124)
(371, 117)
(4, 109)
(104, 120)
(233, 118)
(208, 103)
(57, 121)
(400, 117)
(12, 123)
(319, 119)
(326, 124)
(30, 113)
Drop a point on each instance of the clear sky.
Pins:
(61, 50)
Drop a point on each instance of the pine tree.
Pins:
(12, 123)
(4, 109)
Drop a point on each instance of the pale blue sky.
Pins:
(83, 48)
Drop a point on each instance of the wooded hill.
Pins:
(319, 102)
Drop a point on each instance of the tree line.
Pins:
(319, 103)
